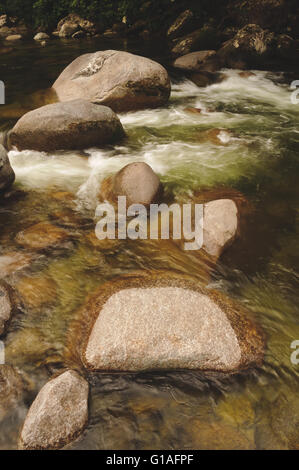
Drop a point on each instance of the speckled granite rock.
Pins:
(117, 79)
(220, 225)
(161, 321)
(58, 414)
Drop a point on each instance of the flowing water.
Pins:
(171, 410)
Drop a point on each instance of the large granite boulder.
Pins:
(76, 124)
(58, 414)
(12, 388)
(7, 175)
(160, 321)
(117, 79)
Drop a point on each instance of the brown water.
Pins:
(171, 410)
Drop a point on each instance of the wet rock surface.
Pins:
(42, 236)
(58, 414)
(163, 322)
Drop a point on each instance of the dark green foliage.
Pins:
(47, 13)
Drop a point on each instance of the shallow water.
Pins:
(258, 409)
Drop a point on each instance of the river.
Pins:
(172, 410)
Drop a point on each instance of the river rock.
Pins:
(249, 48)
(41, 37)
(68, 29)
(14, 37)
(7, 175)
(117, 79)
(58, 414)
(11, 389)
(42, 236)
(6, 306)
(30, 289)
(13, 261)
(203, 79)
(182, 25)
(76, 124)
(220, 225)
(198, 61)
(82, 24)
(160, 321)
(137, 181)
(4, 21)
(204, 38)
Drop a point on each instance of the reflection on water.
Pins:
(188, 410)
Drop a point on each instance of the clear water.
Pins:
(258, 409)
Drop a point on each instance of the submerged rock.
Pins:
(11, 390)
(30, 289)
(73, 125)
(160, 321)
(58, 414)
(136, 181)
(13, 261)
(117, 79)
(7, 175)
(6, 306)
(216, 136)
(42, 236)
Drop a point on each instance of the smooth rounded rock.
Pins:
(159, 321)
(137, 181)
(220, 225)
(120, 80)
(58, 414)
(77, 124)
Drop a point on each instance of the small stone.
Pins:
(41, 37)
(13, 37)
(13, 261)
